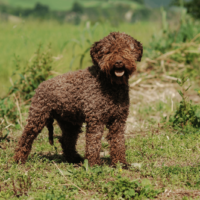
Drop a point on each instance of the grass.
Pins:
(67, 5)
(22, 39)
(167, 160)
(164, 162)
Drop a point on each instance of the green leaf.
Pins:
(145, 182)
(130, 192)
(181, 93)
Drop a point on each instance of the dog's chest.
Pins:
(106, 103)
(87, 99)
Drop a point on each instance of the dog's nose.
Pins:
(118, 62)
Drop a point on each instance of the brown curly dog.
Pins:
(98, 96)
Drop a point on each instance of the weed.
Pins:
(2, 136)
(187, 115)
(8, 111)
(32, 74)
(124, 188)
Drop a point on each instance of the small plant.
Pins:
(32, 74)
(8, 109)
(9, 113)
(187, 116)
(124, 188)
(3, 136)
(23, 89)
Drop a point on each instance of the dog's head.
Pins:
(116, 55)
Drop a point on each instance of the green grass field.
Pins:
(164, 160)
(22, 39)
(67, 5)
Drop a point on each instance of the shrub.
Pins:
(30, 76)
(187, 115)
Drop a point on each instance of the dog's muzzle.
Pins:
(119, 68)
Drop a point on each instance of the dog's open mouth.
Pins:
(119, 72)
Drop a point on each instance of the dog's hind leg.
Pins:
(36, 123)
(68, 141)
(49, 125)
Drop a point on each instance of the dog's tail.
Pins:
(49, 125)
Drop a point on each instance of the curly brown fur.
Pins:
(97, 96)
(117, 47)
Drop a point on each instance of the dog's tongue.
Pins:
(119, 73)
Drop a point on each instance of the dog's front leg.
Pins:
(93, 142)
(117, 142)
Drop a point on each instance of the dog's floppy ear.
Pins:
(139, 50)
(94, 53)
(100, 48)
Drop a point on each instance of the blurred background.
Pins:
(58, 34)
